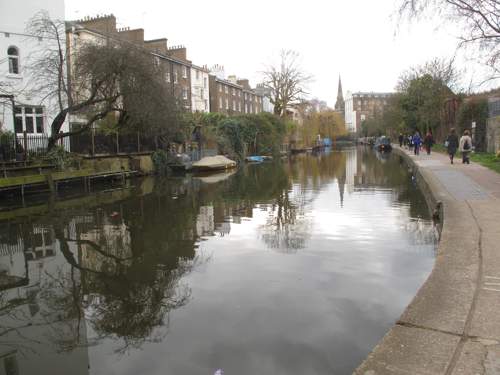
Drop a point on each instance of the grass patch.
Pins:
(489, 160)
(438, 147)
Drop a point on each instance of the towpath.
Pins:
(453, 324)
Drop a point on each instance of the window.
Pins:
(167, 77)
(206, 105)
(175, 77)
(239, 106)
(234, 105)
(13, 55)
(197, 75)
(156, 61)
(234, 92)
(239, 94)
(184, 93)
(226, 89)
(227, 103)
(205, 82)
(220, 103)
(29, 119)
(220, 87)
(201, 94)
(184, 72)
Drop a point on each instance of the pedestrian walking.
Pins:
(417, 142)
(401, 139)
(465, 147)
(428, 142)
(410, 142)
(451, 144)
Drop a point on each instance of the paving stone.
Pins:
(459, 185)
(415, 351)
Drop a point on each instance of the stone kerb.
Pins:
(429, 336)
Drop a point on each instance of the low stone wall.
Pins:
(133, 162)
(89, 168)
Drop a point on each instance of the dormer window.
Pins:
(13, 56)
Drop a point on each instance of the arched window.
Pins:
(13, 54)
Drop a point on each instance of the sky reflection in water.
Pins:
(297, 267)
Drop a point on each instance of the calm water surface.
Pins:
(297, 267)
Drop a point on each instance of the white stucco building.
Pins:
(33, 112)
(267, 106)
(200, 94)
(350, 114)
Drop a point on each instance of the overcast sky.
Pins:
(357, 39)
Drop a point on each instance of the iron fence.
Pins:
(25, 146)
(97, 143)
(22, 147)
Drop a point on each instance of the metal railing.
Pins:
(25, 146)
(97, 143)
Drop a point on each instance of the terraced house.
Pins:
(200, 89)
(232, 95)
(172, 61)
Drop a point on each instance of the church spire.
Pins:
(339, 105)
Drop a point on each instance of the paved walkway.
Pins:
(453, 324)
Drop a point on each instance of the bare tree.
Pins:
(287, 82)
(442, 70)
(480, 18)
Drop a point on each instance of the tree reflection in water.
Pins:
(288, 225)
(118, 269)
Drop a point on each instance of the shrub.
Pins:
(7, 150)
(160, 162)
(63, 159)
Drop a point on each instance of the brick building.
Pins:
(360, 106)
(233, 96)
(171, 61)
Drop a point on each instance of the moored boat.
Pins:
(213, 163)
(383, 143)
(254, 159)
(258, 158)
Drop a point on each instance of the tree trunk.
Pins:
(55, 127)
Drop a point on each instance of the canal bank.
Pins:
(452, 326)
(47, 176)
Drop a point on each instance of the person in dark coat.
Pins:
(401, 139)
(452, 144)
(417, 142)
(428, 142)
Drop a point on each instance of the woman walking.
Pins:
(465, 147)
(428, 142)
(452, 144)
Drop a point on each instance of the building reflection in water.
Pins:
(115, 270)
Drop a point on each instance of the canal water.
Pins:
(292, 267)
